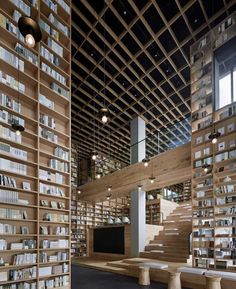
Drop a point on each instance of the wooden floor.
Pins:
(129, 267)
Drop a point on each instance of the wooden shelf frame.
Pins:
(38, 150)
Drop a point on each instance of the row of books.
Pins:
(58, 165)
(45, 101)
(52, 204)
(56, 282)
(8, 134)
(65, 6)
(9, 118)
(49, 176)
(11, 59)
(21, 274)
(57, 231)
(22, 6)
(24, 245)
(203, 213)
(11, 197)
(7, 229)
(58, 256)
(47, 134)
(18, 153)
(64, 29)
(61, 153)
(225, 189)
(21, 285)
(58, 89)
(51, 5)
(7, 181)
(26, 53)
(12, 82)
(49, 56)
(51, 190)
(47, 120)
(204, 232)
(26, 258)
(7, 213)
(3, 244)
(225, 222)
(53, 73)
(55, 217)
(44, 26)
(9, 102)
(58, 49)
(55, 244)
(51, 270)
(13, 167)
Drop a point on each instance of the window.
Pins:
(225, 74)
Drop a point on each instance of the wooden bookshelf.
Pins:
(35, 167)
(213, 190)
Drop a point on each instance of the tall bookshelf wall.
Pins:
(88, 215)
(35, 166)
(214, 190)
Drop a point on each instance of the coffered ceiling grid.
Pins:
(133, 57)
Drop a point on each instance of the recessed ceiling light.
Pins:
(195, 20)
(125, 12)
(91, 54)
(155, 55)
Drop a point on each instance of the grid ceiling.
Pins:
(132, 56)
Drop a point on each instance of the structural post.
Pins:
(138, 197)
(137, 135)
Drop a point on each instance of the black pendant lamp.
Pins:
(30, 29)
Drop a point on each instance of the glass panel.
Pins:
(225, 90)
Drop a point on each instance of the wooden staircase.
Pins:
(172, 243)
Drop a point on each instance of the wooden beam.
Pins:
(169, 168)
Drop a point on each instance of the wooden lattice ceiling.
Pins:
(132, 56)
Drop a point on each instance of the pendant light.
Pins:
(152, 178)
(109, 188)
(30, 29)
(104, 114)
(98, 175)
(214, 136)
(205, 167)
(108, 197)
(94, 155)
(140, 187)
(145, 162)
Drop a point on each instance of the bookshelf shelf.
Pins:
(41, 98)
(213, 192)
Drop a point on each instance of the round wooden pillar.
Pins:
(144, 277)
(174, 280)
(213, 282)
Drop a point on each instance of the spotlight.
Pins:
(152, 179)
(30, 30)
(79, 192)
(109, 188)
(18, 128)
(214, 137)
(94, 155)
(98, 176)
(205, 167)
(108, 197)
(104, 115)
(140, 187)
(145, 162)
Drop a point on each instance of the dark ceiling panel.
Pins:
(143, 47)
